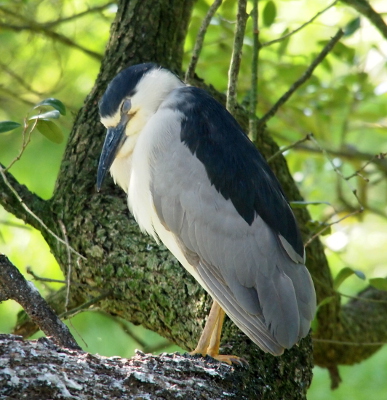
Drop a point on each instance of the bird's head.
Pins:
(131, 98)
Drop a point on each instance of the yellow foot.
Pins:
(228, 359)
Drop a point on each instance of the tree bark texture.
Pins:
(148, 285)
(38, 370)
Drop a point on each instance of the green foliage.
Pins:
(352, 27)
(344, 274)
(6, 126)
(51, 131)
(55, 103)
(379, 283)
(269, 13)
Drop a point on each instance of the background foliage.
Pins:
(47, 52)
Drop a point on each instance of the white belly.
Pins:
(140, 199)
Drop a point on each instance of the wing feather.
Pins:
(255, 276)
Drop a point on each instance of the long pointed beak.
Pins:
(115, 137)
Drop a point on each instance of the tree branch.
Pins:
(307, 74)
(14, 286)
(80, 15)
(364, 8)
(254, 73)
(265, 44)
(236, 56)
(200, 39)
(40, 369)
(33, 26)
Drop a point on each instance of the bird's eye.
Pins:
(126, 106)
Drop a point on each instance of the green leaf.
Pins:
(54, 114)
(379, 283)
(283, 43)
(55, 103)
(6, 126)
(304, 204)
(269, 13)
(352, 27)
(314, 324)
(344, 274)
(51, 131)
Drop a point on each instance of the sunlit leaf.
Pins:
(54, 114)
(346, 273)
(55, 103)
(283, 43)
(269, 13)
(6, 126)
(50, 130)
(314, 324)
(379, 283)
(352, 27)
(304, 204)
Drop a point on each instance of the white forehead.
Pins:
(153, 87)
(149, 93)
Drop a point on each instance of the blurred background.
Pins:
(343, 105)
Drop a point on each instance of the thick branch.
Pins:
(40, 369)
(14, 286)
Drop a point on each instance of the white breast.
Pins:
(163, 123)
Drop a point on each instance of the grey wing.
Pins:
(245, 268)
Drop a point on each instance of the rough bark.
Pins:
(42, 370)
(147, 284)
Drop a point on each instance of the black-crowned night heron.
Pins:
(197, 183)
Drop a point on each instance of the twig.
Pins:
(157, 347)
(68, 272)
(290, 146)
(80, 15)
(338, 172)
(236, 56)
(85, 305)
(26, 141)
(14, 286)
(19, 79)
(349, 343)
(200, 39)
(306, 75)
(34, 216)
(15, 225)
(40, 279)
(348, 154)
(310, 240)
(37, 28)
(16, 96)
(300, 27)
(379, 156)
(254, 74)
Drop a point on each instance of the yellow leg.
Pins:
(209, 341)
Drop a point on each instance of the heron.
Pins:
(195, 182)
